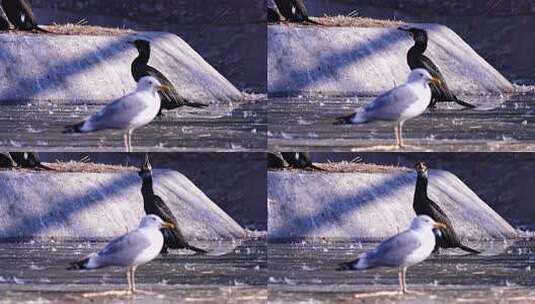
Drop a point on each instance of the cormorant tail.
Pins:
(42, 30)
(82, 264)
(347, 265)
(74, 128)
(45, 167)
(468, 249)
(312, 166)
(464, 103)
(195, 104)
(313, 22)
(196, 249)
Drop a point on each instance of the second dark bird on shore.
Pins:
(423, 205)
(440, 92)
(20, 14)
(140, 68)
(294, 11)
(153, 204)
(300, 160)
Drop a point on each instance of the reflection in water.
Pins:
(498, 124)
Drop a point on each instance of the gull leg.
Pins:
(396, 130)
(130, 140)
(133, 275)
(129, 279)
(125, 137)
(400, 128)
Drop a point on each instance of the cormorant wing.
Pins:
(164, 212)
(171, 99)
(442, 89)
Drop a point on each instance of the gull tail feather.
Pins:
(80, 265)
(77, 128)
(348, 265)
(354, 118)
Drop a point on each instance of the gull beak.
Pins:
(439, 225)
(168, 225)
(164, 88)
(436, 81)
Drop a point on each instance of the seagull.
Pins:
(416, 59)
(400, 104)
(128, 113)
(404, 250)
(131, 250)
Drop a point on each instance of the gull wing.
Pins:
(393, 251)
(391, 104)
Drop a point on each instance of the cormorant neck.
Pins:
(419, 47)
(143, 57)
(146, 187)
(421, 187)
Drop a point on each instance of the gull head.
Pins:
(418, 35)
(146, 168)
(423, 76)
(141, 44)
(154, 221)
(150, 83)
(425, 222)
(421, 168)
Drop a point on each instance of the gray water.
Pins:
(222, 127)
(497, 124)
(37, 271)
(306, 272)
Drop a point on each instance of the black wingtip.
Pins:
(347, 266)
(73, 128)
(343, 120)
(79, 265)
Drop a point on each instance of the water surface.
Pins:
(497, 124)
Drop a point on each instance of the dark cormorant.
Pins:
(29, 160)
(299, 160)
(294, 10)
(276, 161)
(416, 59)
(20, 14)
(6, 161)
(273, 14)
(153, 204)
(446, 238)
(140, 68)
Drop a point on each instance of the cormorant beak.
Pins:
(439, 225)
(436, 81)
(168, 225)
